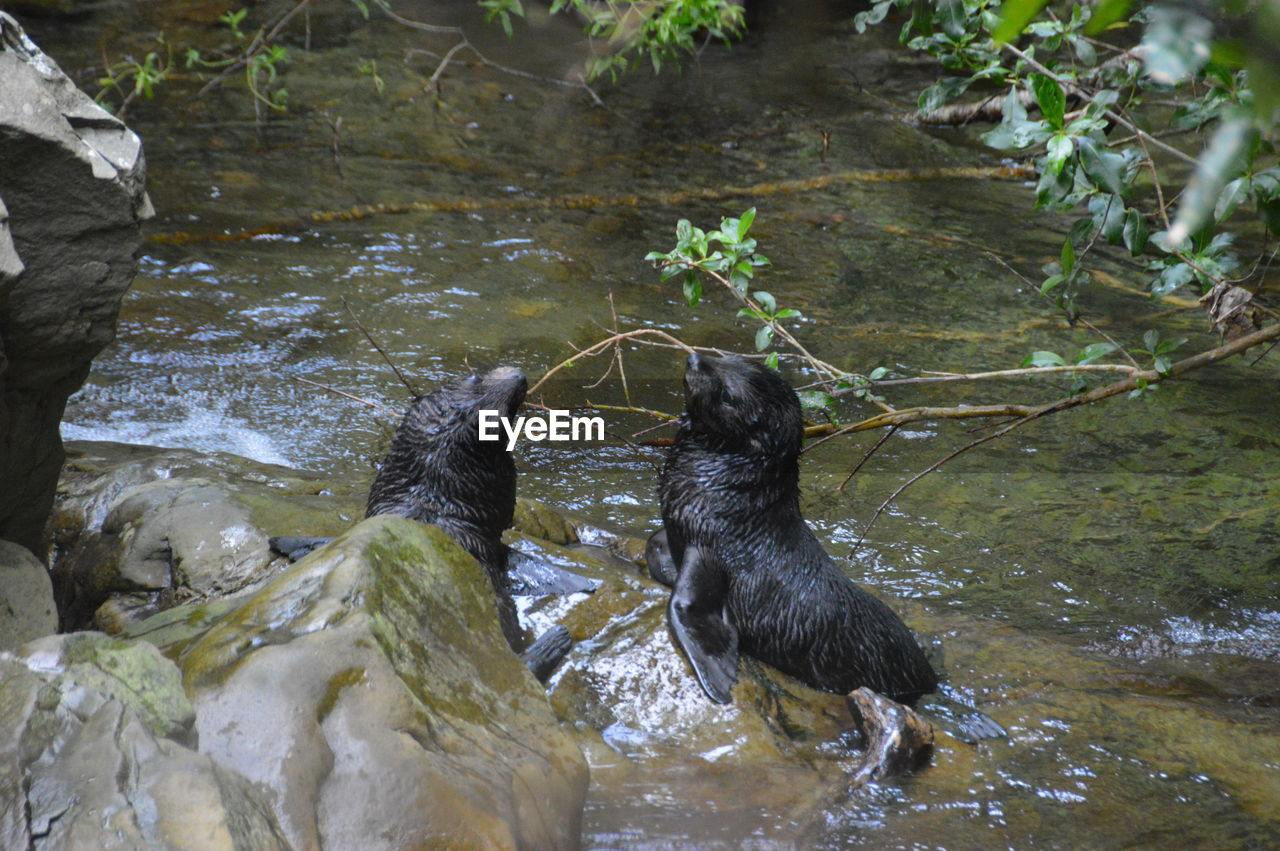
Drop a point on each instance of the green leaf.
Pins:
(1094, 351)
(1051, 282)
(1150, 338)
(1232, 194)
(1134, 232)
(1108, 217)
(684, 233)
(878, 373)
(950, 15)
(1052, 188)
(1162, 364)
(692, 288)
(1105, 169)
(819, 399)
(787, 313)
(1044, 359)
(1049, 95)
(744, 223)
(764, 337)
(772, 360)
(1060, 149)
(1068, 257)
(940, 92)
(1084, 51)
(1106, 13)
(766, 300)
(1014, 17)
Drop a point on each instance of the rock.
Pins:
(26, 597)
(72, 187)
(897, 739)
(369, 688)
(95, 753)
(137, 529)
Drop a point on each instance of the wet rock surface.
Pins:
(71, 198)
(97, 751)
(27, 609)
(370, 689)
(137, 529)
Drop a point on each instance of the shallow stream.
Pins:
(1104, 581)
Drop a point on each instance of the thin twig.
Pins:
(383, 408)
(597, 348)
(872, 451)
(1147, 377)
(365, 331)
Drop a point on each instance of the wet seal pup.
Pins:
(747, 573)
(438, 471)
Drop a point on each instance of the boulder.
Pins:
(95, 752)
(137, 529)
(71, 199)
(370, 689)
(26, 597)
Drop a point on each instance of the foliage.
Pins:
(130, 78)
(1104, 111)
(728, 257)
(661, 31)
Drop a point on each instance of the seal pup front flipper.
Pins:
(294, 548)
(698, 615)
(530, 576)
(657, 558)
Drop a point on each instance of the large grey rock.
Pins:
(26, 597)
(95, 752)
(371, 690)
(72, 187)
(136, 529)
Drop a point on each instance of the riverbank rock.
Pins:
(96, 752)
(72, 190)
(136, 529)
(370, 689)
(27, 610)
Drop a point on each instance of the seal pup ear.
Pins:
(699, 618)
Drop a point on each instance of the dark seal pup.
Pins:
(747, 574)
(438, 471)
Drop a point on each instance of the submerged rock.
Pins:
(96, 752)
(370, 689)
(71, 198)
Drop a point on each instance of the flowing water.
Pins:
(1105, 580)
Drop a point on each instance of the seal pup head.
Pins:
(439, 471)
(742, 406)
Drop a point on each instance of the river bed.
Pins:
(1104, 581)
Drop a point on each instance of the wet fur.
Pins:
(731, 509)
(438, 471)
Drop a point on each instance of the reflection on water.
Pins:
(1104, 583)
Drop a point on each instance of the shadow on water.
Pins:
(1104, 582)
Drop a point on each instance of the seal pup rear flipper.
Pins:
(543, 655)
(702, 626)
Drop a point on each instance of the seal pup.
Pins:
(747, 573)
(438, 471)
